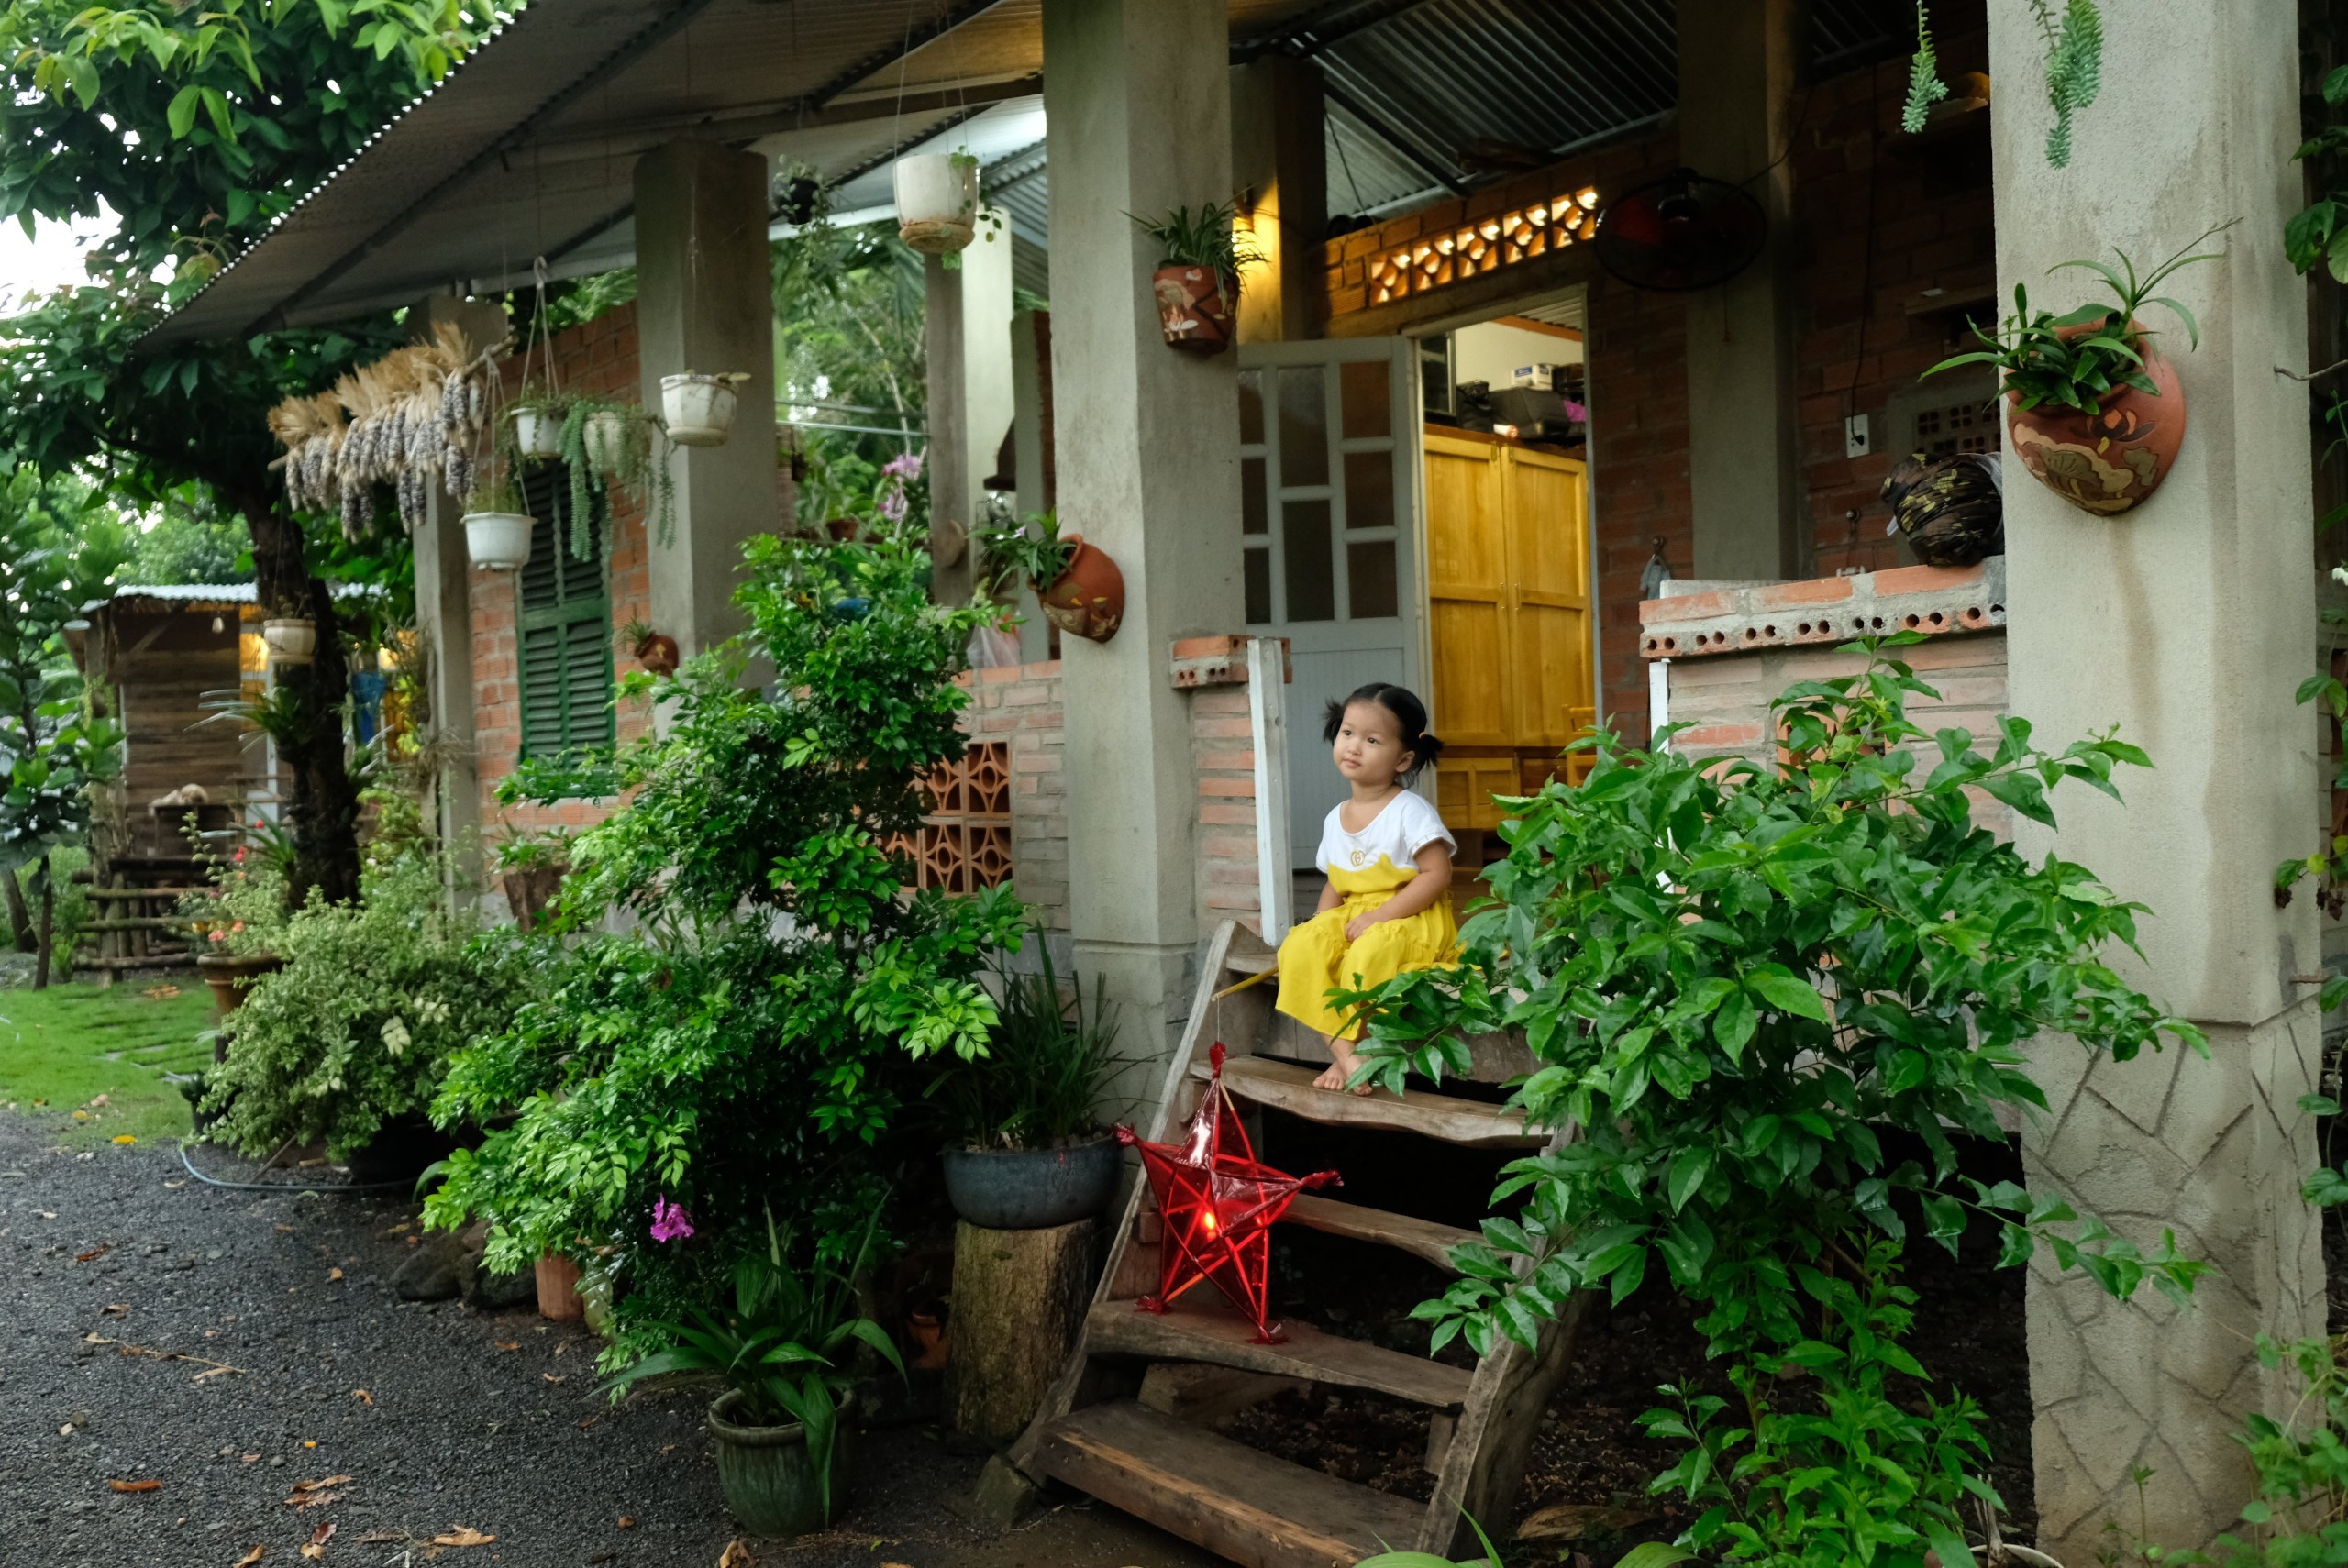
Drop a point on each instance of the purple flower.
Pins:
(906, 466)
(893, 505)
(669, 1221)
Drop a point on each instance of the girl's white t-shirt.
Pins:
(1403, 826)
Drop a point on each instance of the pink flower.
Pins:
(906, 466)
(893, 505)
(1577, 413)
(669, 1221)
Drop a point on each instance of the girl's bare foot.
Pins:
(1339, 1070)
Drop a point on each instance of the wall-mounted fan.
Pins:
(1683, 231)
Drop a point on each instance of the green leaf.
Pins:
(180, 116)
(1654, 1554)
(1734, 1026)
(1788, 992)
(1688, 1172)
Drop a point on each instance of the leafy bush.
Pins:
(357, 1028)
(1740, 983)
(757, 1035)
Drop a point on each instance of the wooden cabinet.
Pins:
(1510, 608)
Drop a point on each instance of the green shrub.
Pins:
(358, 1026)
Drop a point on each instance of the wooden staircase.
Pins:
(1096, 1433)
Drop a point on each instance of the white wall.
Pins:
(1491, 351)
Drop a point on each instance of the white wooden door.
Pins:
(1329, 481)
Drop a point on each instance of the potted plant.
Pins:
(2094, 409)
(530, 869)
(1080, 587)
(1197, 282)
(788, 1354)
(291, 639)
(624, 447)
(938, 201)
(1026, 1149)
(655, 651)
(498, 523)
(537, 419)
(698, 409)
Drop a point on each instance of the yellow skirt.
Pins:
(1315, 957)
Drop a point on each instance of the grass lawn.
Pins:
(61, 1048)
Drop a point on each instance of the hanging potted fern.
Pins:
(537, 419)
(938, 201)
(617, 445)
(498, 523)
(2073, 46)
(1197, 282)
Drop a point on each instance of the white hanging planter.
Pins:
(602, 439)
(699, 410)
(537, 432)
(938, 202)
(498, 540)
(291, 641)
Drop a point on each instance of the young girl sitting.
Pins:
(1387, 908)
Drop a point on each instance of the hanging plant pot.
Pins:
(603, 437)
(659, 653)
(499, 540)
(2106, 461)
(938, 202)
(699, 410)
(537, 432)
(1194, 308)
(1088, 599)
(291, 640)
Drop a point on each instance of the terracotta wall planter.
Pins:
(559, 1289)
(1194, 307)
(1087, 600)
(2107, 461)
(657, 653)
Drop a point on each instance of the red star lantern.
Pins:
(1217, 1203)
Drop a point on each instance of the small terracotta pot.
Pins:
(559, 1289)
(1194, 307)
(2107, 461)
(657, 653)
(231, 975)
(530, 894)
(1087, 600)
(928, 1333)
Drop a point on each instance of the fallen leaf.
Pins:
(93, 1253)
(249, 1558)
(737, 1555)
(317, 1549)
(311, 1494)
(124, 1138)
(114, 1308)
(333, 1274)
(93, 1104)
(463, 1534)
(398, 1228)
(80, 1116)
(135, 1485)
(672, 1447)
(589, 1422)
(309, 1442)
(384, 1537)
(175, 1186)
(286, 1227)
(551, 1376)
(627, 1521)
(507, 1344)
(164, 992)
(46, 1213)
(250, 1458)
(363, 1397)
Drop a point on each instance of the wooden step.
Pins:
(1247, 1506)
(1240, 962)
(1225, 1339)
(1287, 1086)
(1421, 1238)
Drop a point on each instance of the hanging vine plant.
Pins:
(607, 445)
(2074, 41)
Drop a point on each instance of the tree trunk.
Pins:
(1019, 1299)
(47, 926)
(20, 919)
(322, 807)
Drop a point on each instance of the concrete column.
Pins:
(948, 468)
(1740, 63)
(2187, 623)
(1031, 338)
(987, 395)
(1280, 162)
(444, 621)
(705, 303)
(1138, 97)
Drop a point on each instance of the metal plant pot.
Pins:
(1031, 1189)
(770, 1484)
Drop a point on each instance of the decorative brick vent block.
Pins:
(964, 843)
(1485, 246)
(1740, 618)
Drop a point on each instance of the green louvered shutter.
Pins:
(566, 626)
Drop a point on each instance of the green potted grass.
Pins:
(1197, 282)
(788, 1354)
(1025, 1147)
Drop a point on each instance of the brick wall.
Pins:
(1020, 704)
(1222, 753)
(1878, 220)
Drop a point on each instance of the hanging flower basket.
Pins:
(499, 541)
(2106, 461)
(291, 640)
(1088, 599)
(938, 202)
(699, 410)
(537, 432)
(1194, 308)
(604, 440)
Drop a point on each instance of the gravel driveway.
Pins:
(238, 1348)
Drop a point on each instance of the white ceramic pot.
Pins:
(498, 540)
(699, 410)
(291, 641)
(937, 203)
(537, 432)
(603, 440)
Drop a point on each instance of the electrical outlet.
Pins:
(1856, 441)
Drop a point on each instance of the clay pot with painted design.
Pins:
(2106, 461)
(1194, 307)
(1088, 599)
